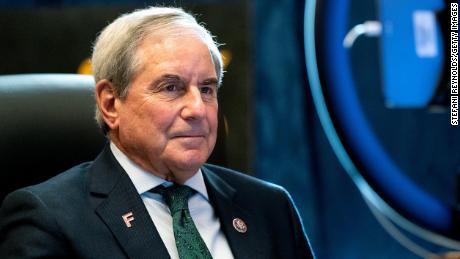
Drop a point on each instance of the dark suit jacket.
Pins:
(79, 214)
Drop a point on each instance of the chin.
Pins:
(192, 163)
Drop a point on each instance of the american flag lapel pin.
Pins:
(240, 225)
(127, 218)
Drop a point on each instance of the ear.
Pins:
(106, 99)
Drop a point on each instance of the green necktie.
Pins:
(189, 243)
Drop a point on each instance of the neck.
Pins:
(169, 173)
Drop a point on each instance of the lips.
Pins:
(190, 135)
(189, 140)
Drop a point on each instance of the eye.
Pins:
(170, 88)
(206, 90)
(209, 90)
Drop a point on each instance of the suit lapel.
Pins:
(114, 196)
(224, 199)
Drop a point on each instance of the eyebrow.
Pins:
(166, 77)
(172, 77)
(210, 81)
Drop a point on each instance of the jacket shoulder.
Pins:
(246, 183)
(65, 184)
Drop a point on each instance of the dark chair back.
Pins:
(46, 127)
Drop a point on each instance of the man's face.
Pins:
(168, 121)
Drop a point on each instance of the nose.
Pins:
(194, 107)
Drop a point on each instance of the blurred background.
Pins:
(269, 122)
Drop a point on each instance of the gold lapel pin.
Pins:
(240, 225)
(127, 218)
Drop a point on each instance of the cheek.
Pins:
(161, 119)
(213, 119)
(145, 123)
(213, 125)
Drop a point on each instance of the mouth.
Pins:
(189, 136)
(190, 141)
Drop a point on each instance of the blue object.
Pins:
(412, 53)
(375, 165)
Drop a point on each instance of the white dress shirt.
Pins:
(202, 212)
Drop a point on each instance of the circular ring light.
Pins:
(434, 220)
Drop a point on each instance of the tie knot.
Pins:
(175, 196)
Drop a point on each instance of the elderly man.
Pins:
(149, 194)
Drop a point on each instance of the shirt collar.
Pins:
(144, 181)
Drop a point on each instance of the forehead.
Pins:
(173, 50)
(169, 38)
